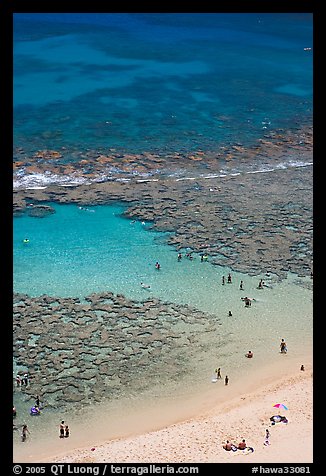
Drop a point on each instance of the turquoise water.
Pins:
(158, 82)
(75, 252)
(85, 84)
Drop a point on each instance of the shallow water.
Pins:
(75, 252)
(163, 83)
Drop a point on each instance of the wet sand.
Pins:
(200, 439)
(252, 223)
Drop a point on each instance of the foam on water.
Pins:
(38, 180)
(75, 252)
(147, 82)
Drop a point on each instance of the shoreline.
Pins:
(242, 412)
(200, 439)
(269, 228)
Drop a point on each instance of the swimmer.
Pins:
(145, 286)
(25, 240)
(247, 301)
(86, 209)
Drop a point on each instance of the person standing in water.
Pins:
(62, 427)
(283, 347)
(25, 430)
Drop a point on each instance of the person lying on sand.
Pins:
(278, 418)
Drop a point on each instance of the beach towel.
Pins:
(245, 451)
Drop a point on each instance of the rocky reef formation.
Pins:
(78, 353)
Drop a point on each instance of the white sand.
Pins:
(200, 439)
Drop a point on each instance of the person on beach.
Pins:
(228, 446)
(267, 436)
(230, 314)
(25, 430)
(179, 256)
(37, 401)
(25, 380)
(241, 285)
(283, 347)
(14, 412)
(223, 279)
(302, 367)
(67, 431)
(226, 380)
(62, 429)
(261, 284)
(229, 279)
(242, 445)
(249, 355)
(18, 381)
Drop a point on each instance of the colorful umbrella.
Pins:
(281, 406)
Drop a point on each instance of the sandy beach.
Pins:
(200, 439)
(187, 142)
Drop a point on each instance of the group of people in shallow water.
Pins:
(249, 355)
(219, 376)
(64, 430)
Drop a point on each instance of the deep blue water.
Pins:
(158, 82)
